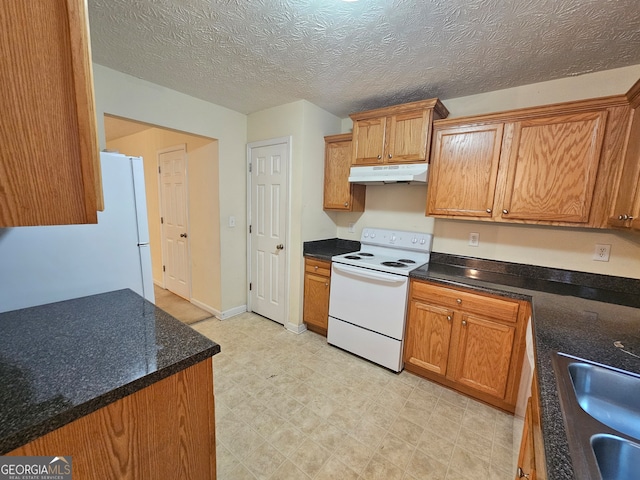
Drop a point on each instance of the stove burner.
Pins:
(406, 260)
(353, 257)
(365, 254)
(393, 264)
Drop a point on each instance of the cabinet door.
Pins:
(483, 355)
(49, 164)
(316, 302)
(407, 137)
(553, 166)
(626, 208)
(427, 337)
(464, 169)
(339, 194)
(368, 141)
(526, 457)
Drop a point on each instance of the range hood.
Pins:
(415, 173)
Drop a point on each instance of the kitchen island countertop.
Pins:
(65, 360)
(577, 313)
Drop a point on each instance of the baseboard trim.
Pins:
(295, 328)
(205, 307)
(232, 312)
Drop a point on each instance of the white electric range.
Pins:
(369, 289)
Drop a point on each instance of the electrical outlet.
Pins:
(474, 239)
(352, 228)
(602, 252)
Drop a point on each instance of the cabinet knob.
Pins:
(521, 473)
(280, 247)
(449, 317)
(326, 284)
(458, 301)
(346, 204)
(505, 211)
(315, 267)
(624, 217)
(183, 235)
(379, 157)
(488, 210)
(390, 156)
(464, 323)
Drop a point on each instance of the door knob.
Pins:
(280, 247)
(183, 235)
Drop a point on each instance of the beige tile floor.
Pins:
(293, 407)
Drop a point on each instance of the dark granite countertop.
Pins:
(577, 313)
(325, 249)
(64, 360)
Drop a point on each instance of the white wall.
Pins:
(400, 206)
(307, 125)
(129, 97)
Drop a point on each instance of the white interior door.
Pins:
(269, 192)
(175, 228)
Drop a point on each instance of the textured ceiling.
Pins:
(348, 57)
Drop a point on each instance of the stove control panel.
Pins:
(397, 238)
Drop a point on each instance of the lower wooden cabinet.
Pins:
(467, 341)
(531, 460)
(317, 282)
(166, 430)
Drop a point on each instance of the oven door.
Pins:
(369, 299)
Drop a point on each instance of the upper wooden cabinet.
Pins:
(625, 212)
(397, 134)
(339, 194)
(553, 165)
(49, 163)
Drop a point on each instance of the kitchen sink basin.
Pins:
(601, 412)
(609, 396)
(617, 458)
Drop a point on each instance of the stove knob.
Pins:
(414, 240)
(366, 234)
(373, 235)
(422, 241)
(393, 238)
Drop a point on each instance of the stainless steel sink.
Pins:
(601, 410)
(617, 458)
(608, 395)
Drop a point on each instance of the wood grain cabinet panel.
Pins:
(339, 194)
(555, 164)
(317, 284)
(467, 341)
(625, 211)
(428, 337)
(464, 171)
(484, 355)
(49, 163)
(396, 134)
(166, 430)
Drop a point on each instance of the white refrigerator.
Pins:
(41, 265)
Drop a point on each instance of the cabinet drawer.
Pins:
(494, 307)
(319, 267)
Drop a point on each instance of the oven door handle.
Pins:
(369, 274)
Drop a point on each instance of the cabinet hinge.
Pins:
(250, 167)
(249, 228)
(161, 219)
(250, 285)
(164, 268)
(159, 171)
